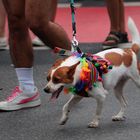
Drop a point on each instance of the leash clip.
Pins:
(74, 41)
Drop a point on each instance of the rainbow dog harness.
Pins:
(93, 67)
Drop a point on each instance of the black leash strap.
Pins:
(74, 41)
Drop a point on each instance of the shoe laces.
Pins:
(14, 93)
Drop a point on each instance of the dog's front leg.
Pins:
(99, 95)
(67, 107)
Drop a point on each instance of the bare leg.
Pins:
(20, 43)
(122, 17)
(67, 107)
(117, 32)
(2, 20)
(119, 95)
(22, 57)
(36, 41)
(113, 8)
(37, 14)
(53, 11)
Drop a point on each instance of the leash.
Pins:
(74, 40)
(92, 66)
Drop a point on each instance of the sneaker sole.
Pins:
(34, 103)
(3, 47)
(37, 44)
(121, 45)
(125, 45)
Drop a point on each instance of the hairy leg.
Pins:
(52, 34)
(20, 43)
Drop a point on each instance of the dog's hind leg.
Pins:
(119, 95)
(67, 107)
(136, 78)
(99, 93)
(134, 74)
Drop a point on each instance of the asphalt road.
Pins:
(41, 123)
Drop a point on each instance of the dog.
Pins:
(66, 72)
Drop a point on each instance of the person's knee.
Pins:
(16, 23)
(36, 23)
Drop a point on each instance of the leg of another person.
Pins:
(26, 94)
(38, 17)
(117, 23)
(3, 40)
(36, 41)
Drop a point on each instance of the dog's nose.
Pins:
(47, 90)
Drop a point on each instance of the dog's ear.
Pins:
(58, 62)
(71, 70)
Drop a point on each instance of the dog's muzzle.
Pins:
(55, 94)
(47, 89)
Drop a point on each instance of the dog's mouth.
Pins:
(56, 94)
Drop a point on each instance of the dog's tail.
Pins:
(135, 35)
(134, 32)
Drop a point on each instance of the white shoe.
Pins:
(19, 99)
(3, 42)
(37, 42)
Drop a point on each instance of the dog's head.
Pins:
(59, 75)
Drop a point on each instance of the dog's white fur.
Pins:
(115, 79)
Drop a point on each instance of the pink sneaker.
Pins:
(19, 99)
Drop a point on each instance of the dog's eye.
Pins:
(56, 80)
(48, 78)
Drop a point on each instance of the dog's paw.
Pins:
(93, 124)
(118, 118)
(63, 121)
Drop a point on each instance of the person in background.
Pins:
(3, 39)
(117, 34)
(34, 15)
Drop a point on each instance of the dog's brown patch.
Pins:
(114, 58)
(58, 62)
(60, 75)
(55, 65)
(127, 57)
(135, 48)
(117, 59)
(64, 74)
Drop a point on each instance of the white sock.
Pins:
(25, 78)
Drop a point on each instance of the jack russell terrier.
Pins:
(68, 71)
